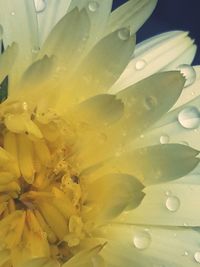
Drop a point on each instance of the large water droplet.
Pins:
(13, 13)
(150, 102)
(189, 118)
(93, 6)
(172, 203)
(40, 5)
(189, 73)
(197, 256)
(124, 34)
(164, 139)
(142, 240)
(140, 64)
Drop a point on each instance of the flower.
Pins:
(91, 136)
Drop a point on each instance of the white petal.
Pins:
(84, 258)
(39, 71)
(182, 123)
(132, 14)
(19, 22)
(191, 92)
(48, 17)
(192, 179)
(99, 19)
(98, 12)
(156, 54)
(172, 204)
(131, 245)
(7, 59)
(66, 40)
(173, 132)
(186, 58)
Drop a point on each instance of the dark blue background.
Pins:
(172, 15)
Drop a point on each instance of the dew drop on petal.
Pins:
(40, 5)
(197, 256)
(172, 203)
(150, 102)
(142, 240)
(189, 74)
(175, 235)
(93, 6)
(164, 139)
(189, 117)
(168, 193)
(25, 106)
(140, 64)
(186, 253)
(35, 50)
(124, 34)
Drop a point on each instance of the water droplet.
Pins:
(164, 139)
(40, 5)
(150, 102)
(168, 193)
(93, 6)
(140, 64)
(189, 118)
(189, 73)
(186, 253)
(13, 13)
(197, 256)
(25, 106)
(142, 240)
(172, 203)
(124, 34)
(35, 50)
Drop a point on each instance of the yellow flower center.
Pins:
(40, 186)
